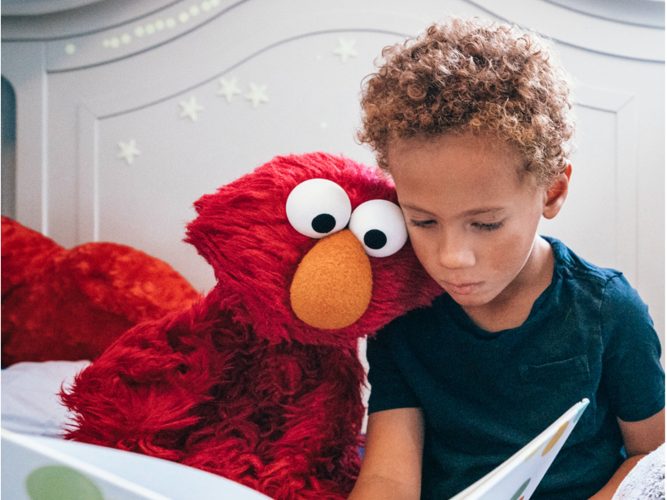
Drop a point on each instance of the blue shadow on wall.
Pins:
(8, 181)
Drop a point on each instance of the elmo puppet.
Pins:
(260, 381)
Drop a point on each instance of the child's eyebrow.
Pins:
(483, 210)
(468, 213)
(414, 208)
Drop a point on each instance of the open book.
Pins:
(518, 477)
(45, 468)
(35, 467)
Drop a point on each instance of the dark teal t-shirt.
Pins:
(485, 395)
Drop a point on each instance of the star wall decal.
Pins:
(190, 108)
(228, 88)
(128, 151)
(257, 94)
(345, 49)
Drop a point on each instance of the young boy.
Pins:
(472, 121)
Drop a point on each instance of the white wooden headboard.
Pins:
(126, 111)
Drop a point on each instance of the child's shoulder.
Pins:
(571, 265)
(607, 284)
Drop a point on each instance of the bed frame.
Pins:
(126, 112)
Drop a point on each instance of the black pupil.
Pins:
(375, 239)
(324, 223)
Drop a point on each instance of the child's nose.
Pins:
(455, 253)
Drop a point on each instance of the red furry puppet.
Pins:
(260, 381)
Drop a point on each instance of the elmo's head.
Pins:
(310, 248)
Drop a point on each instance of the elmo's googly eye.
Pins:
(318, 207)
(379, 225)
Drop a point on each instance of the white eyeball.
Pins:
(318, 207)
(380, 227)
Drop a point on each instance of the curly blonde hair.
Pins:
(467, 75)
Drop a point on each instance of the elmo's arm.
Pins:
(142, 393)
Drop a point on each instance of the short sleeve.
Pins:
(632, 372)
(389, 389)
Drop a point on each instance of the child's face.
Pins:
(471, 218)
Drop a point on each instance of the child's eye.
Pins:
(422, 223)
(484, 226)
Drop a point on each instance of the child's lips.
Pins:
(462, 288)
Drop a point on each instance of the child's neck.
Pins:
(512, 307)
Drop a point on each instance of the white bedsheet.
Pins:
(30, 403)
(646, 481)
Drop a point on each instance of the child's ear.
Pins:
(557, 193)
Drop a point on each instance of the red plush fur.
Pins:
(237, 385)
(60, 304)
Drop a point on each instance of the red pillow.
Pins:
(60, 304)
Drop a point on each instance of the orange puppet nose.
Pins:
(333, 284)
